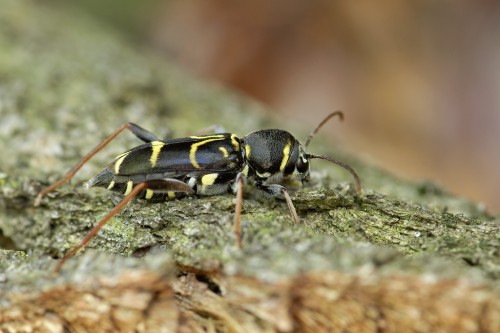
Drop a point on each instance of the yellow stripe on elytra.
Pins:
(111, 185)
(149, 194)
(286, 156)
(216, 136)
(119, 161)
(130, 185)
(156, 146)
(171, 194)
(194, 147)
(224, 151)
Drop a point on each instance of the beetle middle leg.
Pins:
(224, 182)
(276, 190)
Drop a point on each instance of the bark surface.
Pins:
(401, 257)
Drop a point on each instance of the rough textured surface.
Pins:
(112, 293)
(411, 259)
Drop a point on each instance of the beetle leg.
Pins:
(98, 227)
(138, 131)
(280, 192)
(165, 184)
(240, 182)
(291, 207)
(141, 133)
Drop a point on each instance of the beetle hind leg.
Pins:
(168, 184)
(141, 133)
(138, 131)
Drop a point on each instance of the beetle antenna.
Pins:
(343, 165)
(313, 133)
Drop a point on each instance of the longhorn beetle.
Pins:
(201, 165)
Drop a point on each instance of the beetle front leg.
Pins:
(280, 192)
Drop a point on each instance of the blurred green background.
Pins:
(419, 81)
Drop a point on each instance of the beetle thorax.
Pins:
(271, 152)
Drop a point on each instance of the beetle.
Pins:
(202, 165)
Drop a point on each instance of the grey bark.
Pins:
(400, 257)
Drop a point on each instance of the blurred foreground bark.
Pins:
(411, 260)
(149, 298)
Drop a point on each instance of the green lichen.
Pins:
(64, 90)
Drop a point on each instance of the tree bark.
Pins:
(400, 257)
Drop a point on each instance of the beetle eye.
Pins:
(302, 165)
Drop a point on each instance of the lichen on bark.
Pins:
(398, 245)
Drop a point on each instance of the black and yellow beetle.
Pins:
(202, 165)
